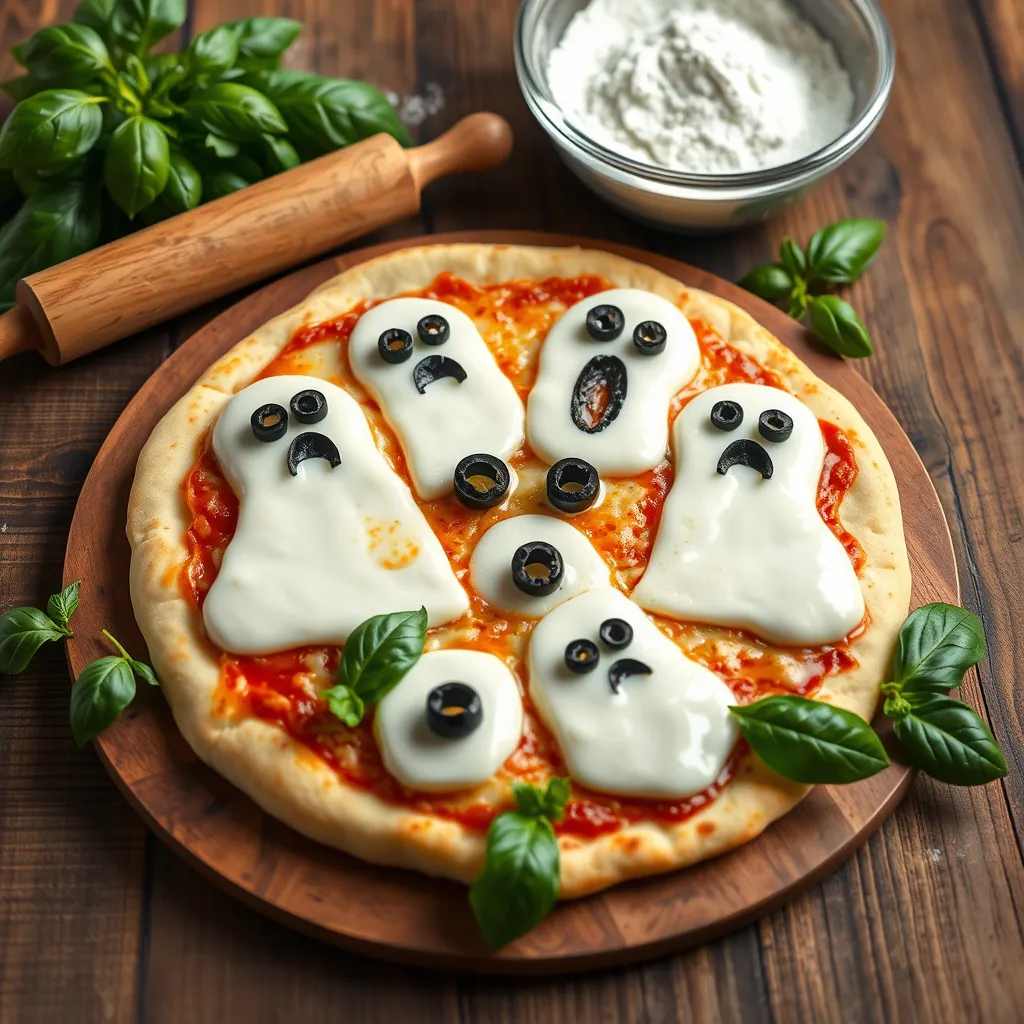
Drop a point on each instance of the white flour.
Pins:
(707, 86)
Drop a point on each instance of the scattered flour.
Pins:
(706, 86)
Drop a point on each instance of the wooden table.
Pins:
(98, 922)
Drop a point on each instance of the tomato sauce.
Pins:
(284, 688)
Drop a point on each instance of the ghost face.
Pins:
(741, 542)
(631, 713)
(327, 534)
(437, 385)
(451, 722)
(608, 370)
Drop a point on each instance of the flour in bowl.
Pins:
(706, 86)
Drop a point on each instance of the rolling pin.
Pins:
(78, 306)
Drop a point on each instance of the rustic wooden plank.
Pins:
(1002, 28)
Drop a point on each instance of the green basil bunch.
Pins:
(836, 255)
(105, 134)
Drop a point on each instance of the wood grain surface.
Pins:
(99, 922)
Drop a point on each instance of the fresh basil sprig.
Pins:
(24, 630)
(519, 883)
(114, 135)
(375, 658)
(936, 645)
(836, 255)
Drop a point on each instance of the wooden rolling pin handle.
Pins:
(162, 271)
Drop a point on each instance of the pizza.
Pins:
(622, 505)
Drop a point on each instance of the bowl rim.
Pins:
(551, 116)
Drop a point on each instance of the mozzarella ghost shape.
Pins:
(491, 570)
(741, 542)
(638, 717)
(327, 533)
(444, 397)
(607, 401)
(473, 742)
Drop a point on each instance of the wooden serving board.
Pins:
(401, 915)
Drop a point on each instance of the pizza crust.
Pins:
(289, 782)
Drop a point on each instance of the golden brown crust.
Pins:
(288, 782)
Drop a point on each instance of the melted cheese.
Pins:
(664, 735)
(449, 420)
(315, 554)
(740, 550)
(637, 439)
(491, 573)
(420, 759)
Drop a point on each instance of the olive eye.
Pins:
(433, 329)
(605, 323)
(481, 481)
(454, 710)
(649, 337)
(537, 568)
(572, 485)
(726, 415)
(309, 406)
(616, 633)
(775, 425)
(395, 345)
(269, 422)
(581, 656)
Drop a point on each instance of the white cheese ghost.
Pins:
(445, 399)
(473, 742)
(741, 542)
(493, 576)
(327, 533)
(607, 401)
(638, 717)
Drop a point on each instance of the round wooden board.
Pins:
(401, 915)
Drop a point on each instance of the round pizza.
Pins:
(474, 518)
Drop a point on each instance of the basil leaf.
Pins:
(937, 644)
(519, 883)
(235, 112)
(769, 282)
(261, 41)
(62, 50)
(345, 704)
(380, 651)
(214, 51)
(141, 23)
(21, 87)
(279, 154)
(137, 164)
(841, 252)
(834, 322)
(103, 690)
(797, 305)
(99, 16)
(549, 802)
(793, 258)
(183, 191)
(222, 183)
(58, 222)
(949, 741)
(18, 53)
(224, 148)
(62, 606)
(810, 742)
(324, 114)
(140, 668)
(22, 632)
(50, 127)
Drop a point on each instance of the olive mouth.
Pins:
(599, 394)
(623, 669)
(433, 368)
(746, 452)
(312, 445)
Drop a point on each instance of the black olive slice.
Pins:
(312, 445)
(481, 481)
(309, 406)
(625, 667)
(537, 568)
(726, 415)
(746, 452)
(454, 710)
(395, 345)
(269, 422)
(599, 394)
(572, 485)
(649, 337)
(581, 656)
(431, 368)
(616, 633)
(775, 425)
(605, 323)
(433, 329)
